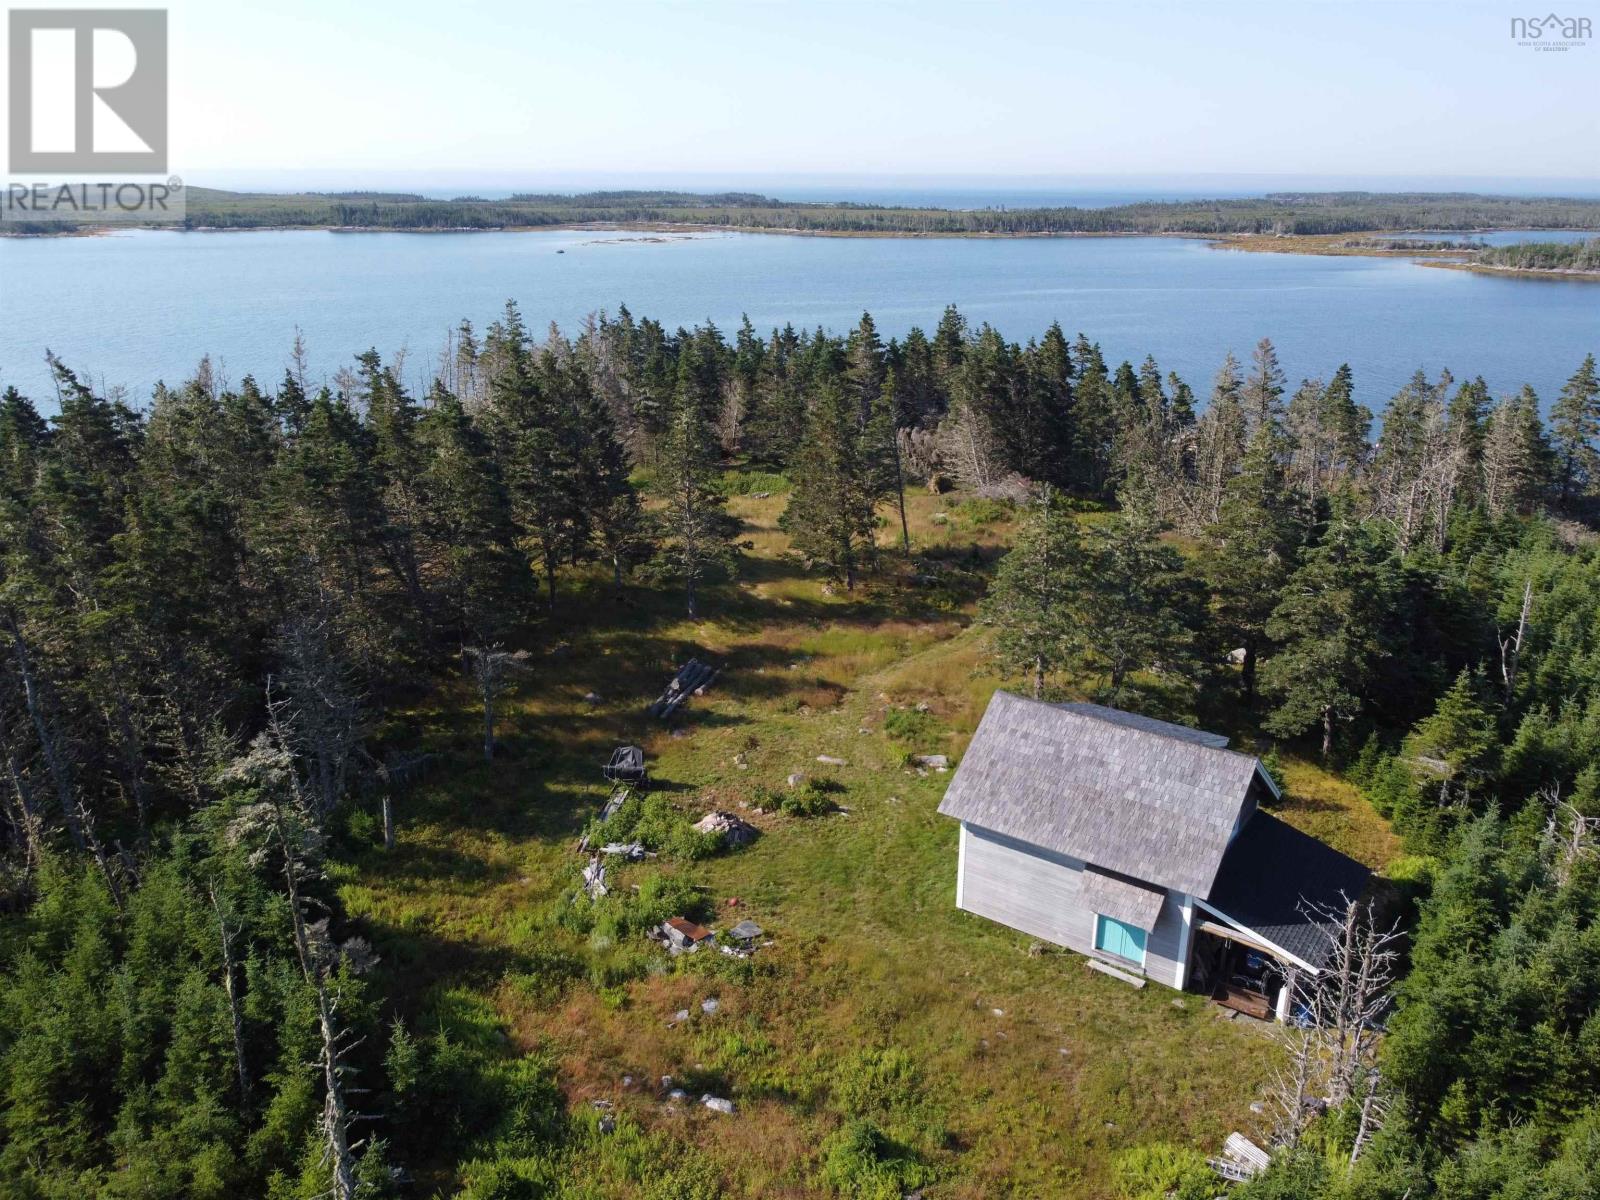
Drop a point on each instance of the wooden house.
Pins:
(1142, 845)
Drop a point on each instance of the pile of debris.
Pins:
(1241, 1158)
(594, 879)
(692, 679)
(626, 766)
(682, 936)
(734, 830)
(743, 939)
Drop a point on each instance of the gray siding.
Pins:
(1037, 892)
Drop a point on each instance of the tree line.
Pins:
(1308, 213)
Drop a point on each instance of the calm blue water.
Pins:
(136, 307)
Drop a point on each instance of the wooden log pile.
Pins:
(692, 679)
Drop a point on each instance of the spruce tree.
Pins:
(1574, 425)
(1033, 601)
(831, 517)
(1329, 629)
(1252, 545)
(696, 533)
(1137, 607)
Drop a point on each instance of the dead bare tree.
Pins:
(1570, 837)
(493, 668)
(1511, 647)
(321, 720)
(1291, 1093)
(1332, 1042)
(230, 987)
(284, 823)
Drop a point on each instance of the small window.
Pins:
(1119, 938)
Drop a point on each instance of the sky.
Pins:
(336, 92)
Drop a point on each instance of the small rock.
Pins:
(831, 761)
(677, 1094)
(921, 706)
(607, 1123)
(827, 589)
(717, 1103)
(1179, 1004)
(666, 1083)
(1063, 1050)
(680, 732)
(1111, 1124)
(710, 1005)
(937, 761)
(591, 697)
(795, 780)
(627, 1081)
(680, 1016)
(1035, 949)
(999, 1012)
(1257, 1107)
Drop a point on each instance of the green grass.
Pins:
(863, 1047)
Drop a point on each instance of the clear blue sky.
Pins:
(502, 89)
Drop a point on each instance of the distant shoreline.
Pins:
(1362, 220)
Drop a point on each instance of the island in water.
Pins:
(1351, 222)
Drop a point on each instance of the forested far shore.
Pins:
(1544, 256)
(241, 623)
(1288, 213)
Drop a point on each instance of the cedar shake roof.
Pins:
(1272, 873)
(1124, 900)
(1142, 798)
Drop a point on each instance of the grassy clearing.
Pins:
(884, 1040)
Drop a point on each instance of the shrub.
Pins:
(1162, 1171)
(812, 798)
(982, 510)
(748, 483)
(916, 728)
(859, 1161)
(1272, 764)
(625, 913)
(876, 1082)
(655, 823)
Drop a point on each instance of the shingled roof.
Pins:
(1274, 879)
(1143, 798)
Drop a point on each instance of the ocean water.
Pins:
(132, 308)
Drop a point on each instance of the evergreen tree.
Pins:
(696, 533)
(1219, 443)
(1574, 425)
(467, 537)
(831, 517)
(1515, 455)
(1328, 626)
(1253, 547)
(1033, 601)
(1137, 606)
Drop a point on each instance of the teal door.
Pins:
(1119, 938)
